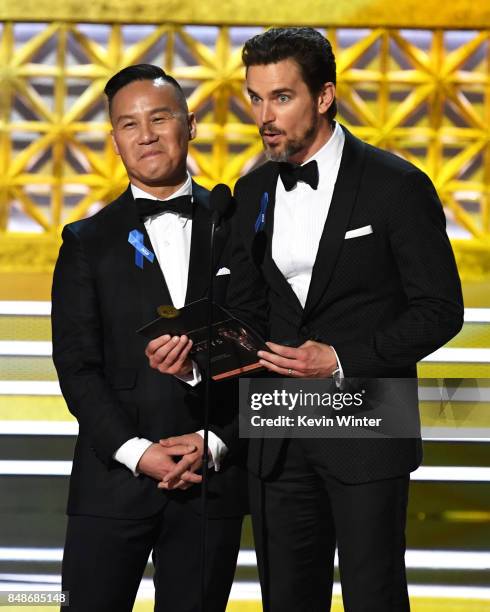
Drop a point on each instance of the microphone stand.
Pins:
(207, 399)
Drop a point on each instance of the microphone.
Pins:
(220, 201)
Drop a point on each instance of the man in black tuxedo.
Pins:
(344, 247)
(147, 248)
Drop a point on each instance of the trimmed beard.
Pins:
(293, 146)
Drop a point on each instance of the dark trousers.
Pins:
(301, 513)
(104, 560)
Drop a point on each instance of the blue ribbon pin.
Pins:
(260, 221)
(135, 238)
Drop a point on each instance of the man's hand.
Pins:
(157, 461)
(184, 470)
(170, 355)
(310, 360)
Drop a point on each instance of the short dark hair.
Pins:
(142, 72)
(306, 46)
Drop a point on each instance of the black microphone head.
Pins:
(220, 199)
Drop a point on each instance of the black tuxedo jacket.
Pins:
(383, 300)
(99, 299)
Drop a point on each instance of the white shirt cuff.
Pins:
(217, 449)
(131, 452)
(194, 377)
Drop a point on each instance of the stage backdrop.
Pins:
(412, 77)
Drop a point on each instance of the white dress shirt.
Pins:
(300, 215)
(170, 236)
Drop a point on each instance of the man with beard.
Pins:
(343, 247)
(149, 247)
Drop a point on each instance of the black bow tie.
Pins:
(181, 205)
(292, 173)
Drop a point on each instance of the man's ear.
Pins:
(191, 122)
(326, 97)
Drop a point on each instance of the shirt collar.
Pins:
(185, 189)
(331, 151)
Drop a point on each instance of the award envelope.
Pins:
(234, 344)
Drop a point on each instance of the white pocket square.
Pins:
(222, 271)
(360, 231)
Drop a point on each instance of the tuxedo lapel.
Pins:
(274, 275)
(343, 200)
(197, 279)
(148, 285)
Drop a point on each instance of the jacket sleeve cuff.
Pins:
(194, 377)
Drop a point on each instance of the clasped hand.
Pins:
(174, 461)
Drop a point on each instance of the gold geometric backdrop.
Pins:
(423, 94)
